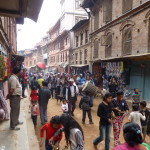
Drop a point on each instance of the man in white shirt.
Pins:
(71, 96)
(15, 92)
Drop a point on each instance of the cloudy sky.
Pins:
(31, 33)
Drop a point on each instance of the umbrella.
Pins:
(41, 65)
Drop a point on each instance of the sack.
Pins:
(85, 106)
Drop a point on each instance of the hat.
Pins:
(71, 80)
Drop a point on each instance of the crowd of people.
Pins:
(66, 88)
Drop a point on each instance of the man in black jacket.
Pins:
(44, 96)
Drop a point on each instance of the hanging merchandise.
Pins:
(2, 67)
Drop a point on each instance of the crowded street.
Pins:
(74, 75)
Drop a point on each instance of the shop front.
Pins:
(79, 69)
(140, 78)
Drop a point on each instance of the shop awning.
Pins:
(21, 8)
(17, 58)
(78, 66)
(65, 65)
(41, 65)
(145, 56)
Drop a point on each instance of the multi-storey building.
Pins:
(60, 37)
(120, 38)
(81, 47)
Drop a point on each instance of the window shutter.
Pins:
(127, 41)
(96, 47)
(127, 5)
(108, 48)
(96, 21)
(107, 10)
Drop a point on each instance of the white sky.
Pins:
(30, 32)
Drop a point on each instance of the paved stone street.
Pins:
(90, 131)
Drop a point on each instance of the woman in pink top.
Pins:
(133, 138)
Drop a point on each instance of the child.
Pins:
(136, 116)
(144, 124)
(136, 96)
(34, 112)
(34, 94)
(64, 106)
(51, 128)
(85, 105)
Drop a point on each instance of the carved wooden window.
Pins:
(76, 57)
(127, 40)
(85, 56)
(81, 39)
(80, 57)
(96, 48)
(107, 11)
(108, 46)
(86, 36)
(96, 20)
(149, 36)
(127, 5)
(77, 41)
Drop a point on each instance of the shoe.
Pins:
(91, 122)
(24, 96)
(45, 121)
(20, 123)
(83, 122)
(42, 123)
(15, 129)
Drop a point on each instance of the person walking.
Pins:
(44, 96)
(135, 116)
(24, 82)
(71, 96)
(120, 109)
(104, 112)
(15, 92)
(86, 104)
(34, 83)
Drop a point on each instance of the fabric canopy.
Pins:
(21, 8)
(41, 65)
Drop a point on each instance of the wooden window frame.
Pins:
(96, 48)
(108, 46)
(77, 41)
(107, 13)
(126, 42)
(81, 39)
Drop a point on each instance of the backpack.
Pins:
(85, 105)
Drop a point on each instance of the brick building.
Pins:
(120, 40)
(81, 47)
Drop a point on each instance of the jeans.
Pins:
(104, 133)
(43, 113)
(47, 146)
